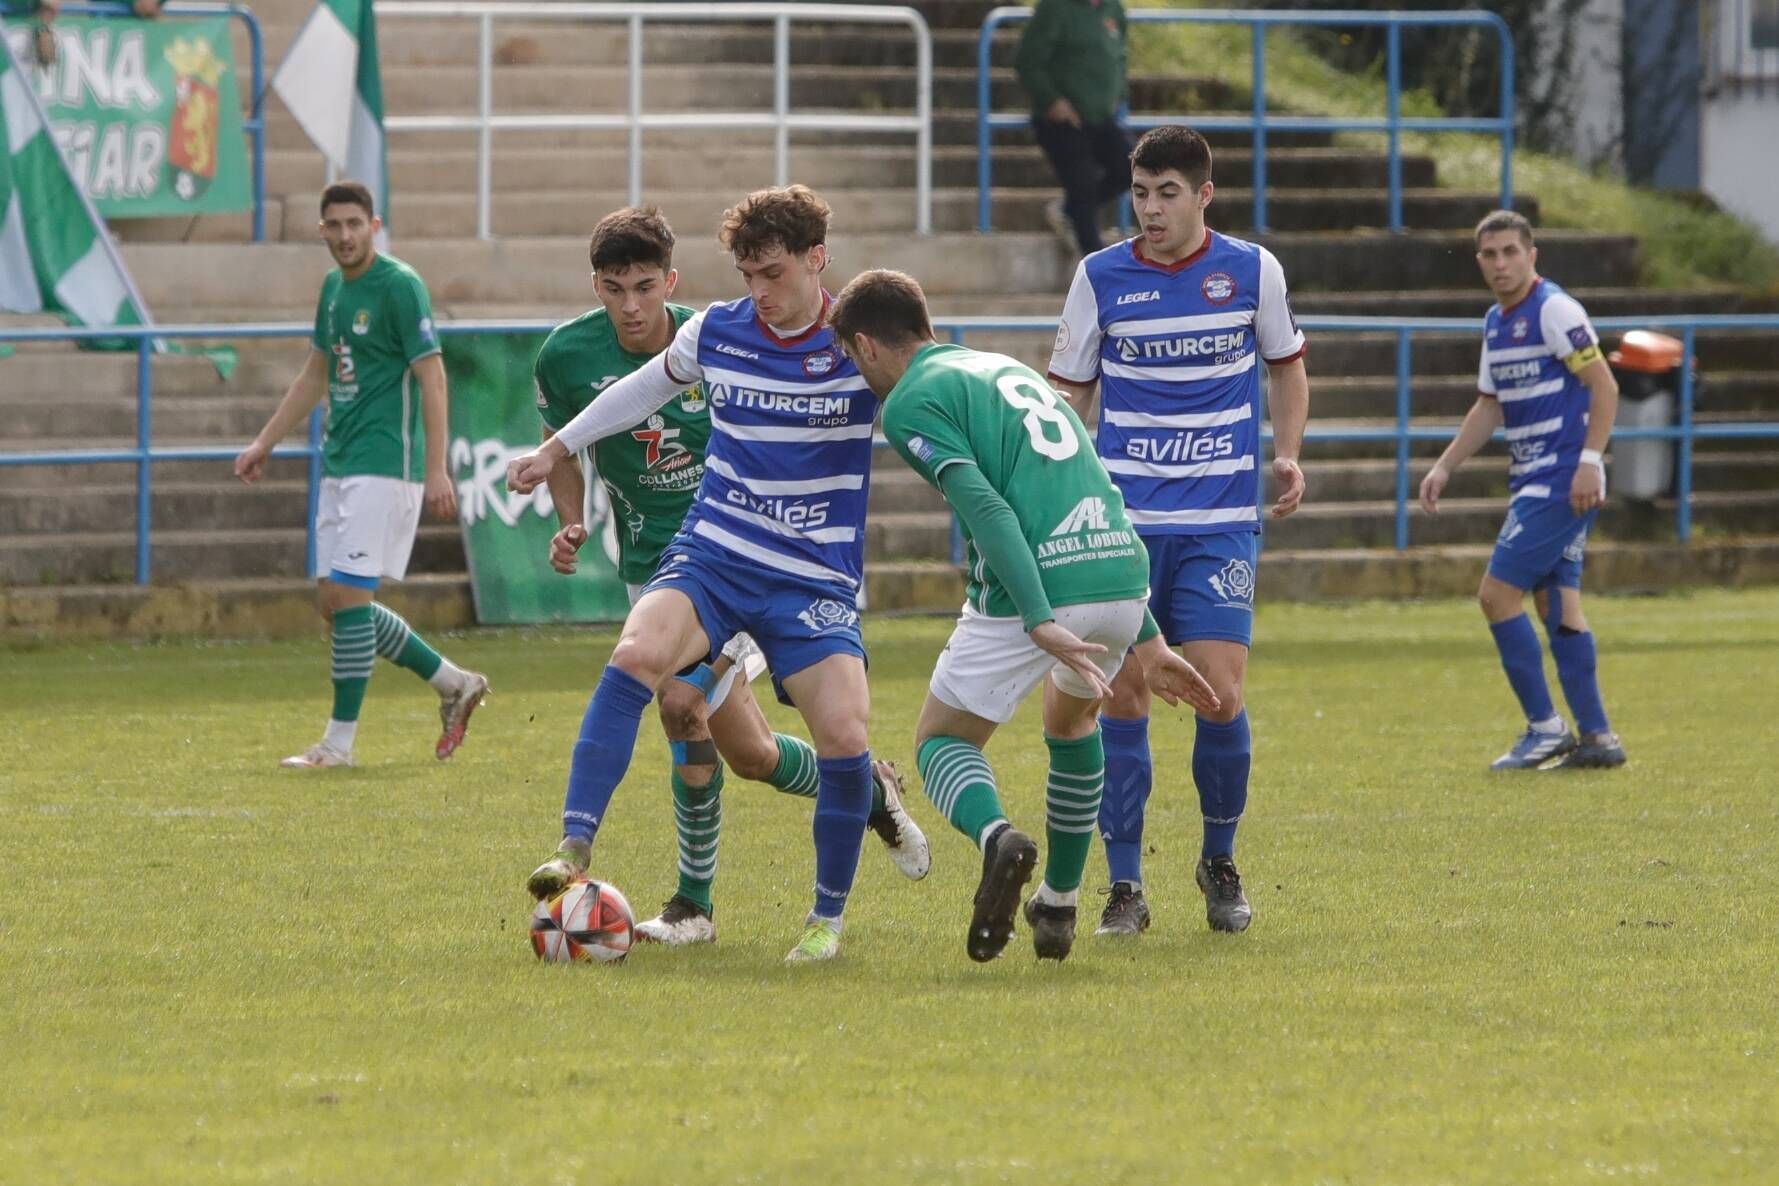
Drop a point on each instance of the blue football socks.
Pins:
(1221, 755)
(841, 807)
(1523, 660)
(603, 750)
(1130, 774)
(1574, 653)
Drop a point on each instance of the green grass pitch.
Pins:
(215, 971)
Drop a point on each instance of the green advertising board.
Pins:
(507, 536)
(148, 113)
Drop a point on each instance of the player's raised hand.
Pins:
(564, 546)
(1432, 486)
(250, 463)
(1077, 654)
(1289, 476)
(441, 496)
(1173, 679)
(527, 473)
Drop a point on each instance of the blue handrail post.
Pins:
(1507, 88)
(144, 454)
(984, 166)
(1683, 490)
(314, 461)
(1393, 74)
(1403, 372)
(256, 126)
(1259, 85)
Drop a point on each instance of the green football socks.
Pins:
(355, 652)
(961, 785)
(1072, 807)
(798, 774)
(698, 819)
(398, 643)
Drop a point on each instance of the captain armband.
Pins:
(1582, 359)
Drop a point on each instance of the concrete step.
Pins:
(190, 554)
(278, 281)
(1346, 396)
(212, 418)
(1320, 209)
(1601, 300)
(433, 170)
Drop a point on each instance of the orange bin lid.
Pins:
(1647, 351)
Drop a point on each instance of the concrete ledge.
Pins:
(285, 608)
(222, 609)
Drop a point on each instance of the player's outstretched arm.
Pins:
(1479, 425)
(441, 493)
(1172, 678)
(1059, 641)
(304, 393)
(624, 404)
(1288, 405)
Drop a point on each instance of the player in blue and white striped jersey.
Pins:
(1542, 377)
(1173, 327)
(773, 545)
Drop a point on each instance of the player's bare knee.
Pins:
(641, 660)
(696, 776)
(1229, 696)
(843, 740)
(682, 712)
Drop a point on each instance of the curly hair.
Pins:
(793, 217)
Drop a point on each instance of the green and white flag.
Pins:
(330, 82)
(55, 255)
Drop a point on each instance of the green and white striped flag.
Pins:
(330, 82)
(55, 255)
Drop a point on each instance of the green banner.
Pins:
(507, 536)
(148, 112)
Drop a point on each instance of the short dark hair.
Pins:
(348, 193)
(1174, 146)
(634, 236)
(791, 216)
(1505, 220)
(888, 306)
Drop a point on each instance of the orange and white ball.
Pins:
(588, 922)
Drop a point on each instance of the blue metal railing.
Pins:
(1402, 433)
(254, 122)
(1260, 122)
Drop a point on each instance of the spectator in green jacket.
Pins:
(1072, 62)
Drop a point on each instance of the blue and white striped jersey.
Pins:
(788, 469)
(1177, 350)
(1530, 359)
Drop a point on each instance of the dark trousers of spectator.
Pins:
(1093, 164)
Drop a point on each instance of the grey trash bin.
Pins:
(1647, 367)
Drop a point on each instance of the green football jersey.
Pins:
(373, 330)
(650, 472)
(957, 406)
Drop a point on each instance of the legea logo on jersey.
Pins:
(829, 616)
(737, 351)
(819, 363)
(1235, 583)
(1138, 298)
(1219, 288)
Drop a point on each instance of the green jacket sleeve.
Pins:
(995, 530)
(1037, 52)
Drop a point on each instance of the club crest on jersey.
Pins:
(692, 400)
(1139, 298)
(1219, 288)
(361, 324)
(662, 447)
(1235, 582)
(1521, 327)
(828, 616)
(819, 363)
(1062, 338)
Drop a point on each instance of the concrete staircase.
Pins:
(62, 526)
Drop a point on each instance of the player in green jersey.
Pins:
(384, 456)
(651, 474)
(1058, 593)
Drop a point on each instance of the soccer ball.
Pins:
(589, 922)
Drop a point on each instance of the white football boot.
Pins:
(681, 923)
(907, 844)
(319, 756)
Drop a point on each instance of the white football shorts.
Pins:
(990, 665)
(364, 526)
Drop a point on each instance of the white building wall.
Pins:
(1741, 154)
